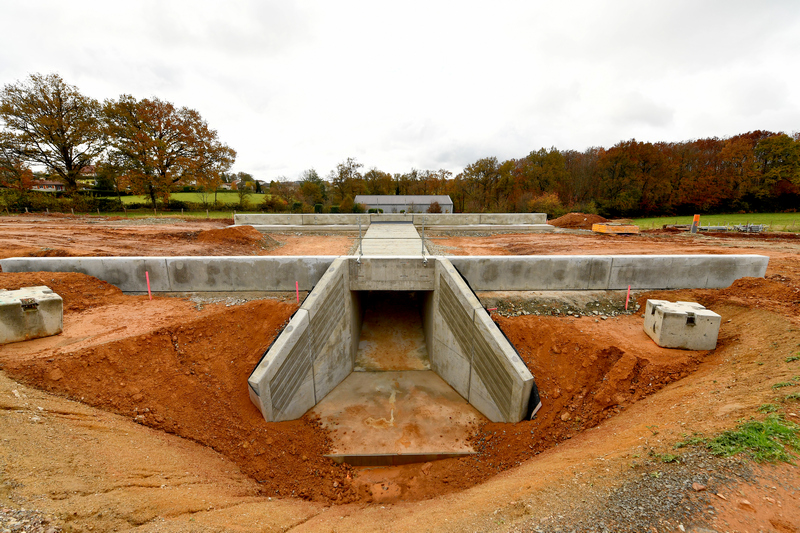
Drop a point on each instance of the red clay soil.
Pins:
(234, 235)
(577, 221)
(189, 378)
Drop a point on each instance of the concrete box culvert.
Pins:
(464, 345)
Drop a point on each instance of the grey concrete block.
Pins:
(329, 313)
(391, 217)
(391, 274)
(30, 313)
(566, 272)
(128, 273)
(729, 268)
(513, 218)
(454, 308)
(282, 385)
(200, 274)
(500, 382)
(686, 325)
(441, 219)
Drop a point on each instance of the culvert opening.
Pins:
(392, 333)
(393, 409)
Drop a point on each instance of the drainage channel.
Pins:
(398, 359)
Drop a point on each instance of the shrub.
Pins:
(434, 208)
(548, 203)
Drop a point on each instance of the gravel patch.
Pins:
(25, 520)
(663, 496)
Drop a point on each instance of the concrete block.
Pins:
(391, 217)
(282, 384)
(30, 313)
(268, 219)
(391, 274)
(329, 312)
(128, 273)
(200, 273)
(685, 325)
(530, 273)
(441, 219)
(334, 219)
(504, 219)
(729, 268)
(454, 307)
(500, 384)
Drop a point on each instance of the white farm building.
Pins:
(407, 203)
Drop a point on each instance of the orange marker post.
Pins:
(297, 288)
(147, 277)
(627, 298)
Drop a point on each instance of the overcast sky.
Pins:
(428, 84)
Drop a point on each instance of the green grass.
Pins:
(227, 198)
(775, 221)
(772, 440)
(793, 358)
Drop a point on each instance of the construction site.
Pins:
(391, 373)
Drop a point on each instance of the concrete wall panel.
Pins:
(504, 219)
(208, 274)
(453, 314)
(500, 273)
(500, 379)
(392, 274)
(329, 313)
(282, 385)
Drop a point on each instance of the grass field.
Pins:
(775, 221)
(227, 198)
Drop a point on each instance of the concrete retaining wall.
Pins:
(471, 354)
(313, 354)
(576, 272)
(430, 219)
(484, 273)
(177, 274)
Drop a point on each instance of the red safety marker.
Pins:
(147, 277)
(628, 297)
(297, 288)
(492, 309)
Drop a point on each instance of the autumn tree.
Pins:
(14, 174)
(49, 123)
(312, 187)
(161, 145)
(347, 179)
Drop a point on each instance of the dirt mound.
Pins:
(577, 221)
(78, 291)
(235, 235)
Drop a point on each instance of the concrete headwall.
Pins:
(392, 273)
(430, 219)
(609, 272)
(471, 354)
(313, 354)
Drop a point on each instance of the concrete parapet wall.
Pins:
(598, 272)
(471, 354)
(196, 273)
(312, 355)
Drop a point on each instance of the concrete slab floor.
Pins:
(411, 413)
(392, 337)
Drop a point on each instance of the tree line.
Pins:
(751, 172)
(151, 147)
(148, 146)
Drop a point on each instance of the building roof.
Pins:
(402, 199)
